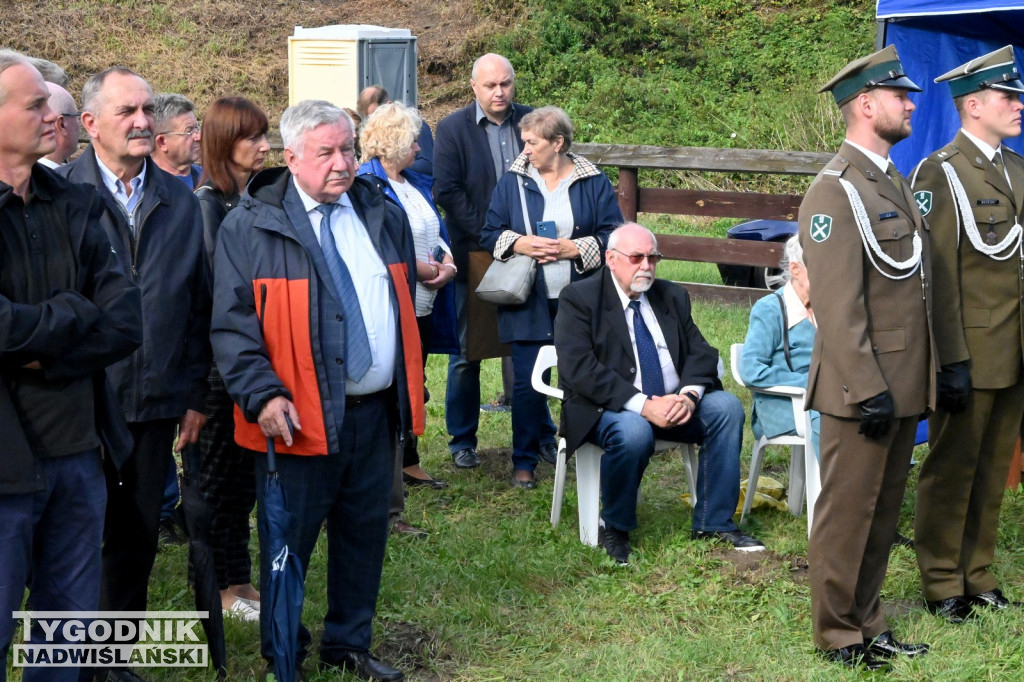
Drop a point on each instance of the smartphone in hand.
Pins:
(546, 228)
(439, 254)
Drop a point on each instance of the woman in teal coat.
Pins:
(777, 351)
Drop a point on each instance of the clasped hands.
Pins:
(668, 411)
(545, 250)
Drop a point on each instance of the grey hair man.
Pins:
(67, 127)
(155, 225)
(176, 137)
(348, 399)
(67, 309)
(52, 73)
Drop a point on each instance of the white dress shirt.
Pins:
(373, 287)
(668, 370)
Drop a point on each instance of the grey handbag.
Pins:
(510, 282)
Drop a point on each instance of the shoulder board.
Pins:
(944, 154)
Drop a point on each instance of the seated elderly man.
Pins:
(634, 368)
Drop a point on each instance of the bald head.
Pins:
(370, 98)
(493, 81)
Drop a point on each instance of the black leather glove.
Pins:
(954, 386)
(876, 415)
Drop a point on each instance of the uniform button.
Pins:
(339, 361)
(895, 233)
(845, 389)
(339, 318)
(874, 349)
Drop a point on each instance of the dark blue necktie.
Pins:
(357, 345)
(650, 365)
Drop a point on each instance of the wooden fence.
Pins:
(634, 199)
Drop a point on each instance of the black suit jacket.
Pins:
(464, 177)
(596, 361)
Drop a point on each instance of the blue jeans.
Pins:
(52, 538)
(351, 490)
(462, 396)
(171, 492)
(628, 442)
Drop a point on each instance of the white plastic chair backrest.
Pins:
(794, 393)
(546, 359)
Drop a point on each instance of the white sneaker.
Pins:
(242, 611)
(254, 603)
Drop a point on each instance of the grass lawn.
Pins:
(494, 593)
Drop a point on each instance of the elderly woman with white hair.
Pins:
(388, 140)
(777, 351)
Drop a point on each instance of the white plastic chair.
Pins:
(588, 462)
(804, 479)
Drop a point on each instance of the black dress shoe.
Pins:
(549, 453)
(466, 459)
(431, 483)
(616, 543)
(854, 656)
(524, 483)
(362, 664)
(270, 676)
(951, 609)
(886, 646)
(993, 599)
(738, 539)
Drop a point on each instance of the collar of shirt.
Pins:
(796, 312)
(481, 116)
(310, 204)
(882, 163)
(114, 184)
(625, 299)
(982, 146)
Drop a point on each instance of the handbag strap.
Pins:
(522, 198)
(785, 331)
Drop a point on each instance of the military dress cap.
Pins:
(879, 70)
(996, 70)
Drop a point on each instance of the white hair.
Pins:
(305, 116)
(613, 239)
(792, 253)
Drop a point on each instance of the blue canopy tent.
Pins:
(932, 37)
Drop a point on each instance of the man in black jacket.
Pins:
(634, 368)
(67, 310)
(475, 146)
(155, 225)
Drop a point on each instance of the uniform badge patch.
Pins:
(924, 201)
(821, 227)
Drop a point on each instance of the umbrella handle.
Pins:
(272, 450)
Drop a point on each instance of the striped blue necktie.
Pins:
(357, 345)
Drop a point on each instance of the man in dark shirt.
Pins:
(67, 310)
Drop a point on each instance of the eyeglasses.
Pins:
(74, 115)
(636, 258)
(191, 131)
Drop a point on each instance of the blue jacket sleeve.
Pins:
(759, 366)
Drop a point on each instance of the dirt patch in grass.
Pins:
(411, 648)
(751, 568)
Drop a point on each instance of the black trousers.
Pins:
(134, 498)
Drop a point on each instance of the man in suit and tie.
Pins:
(972, 193)
(634, 368)
(475, 146)
(313, 320)
(872, 370)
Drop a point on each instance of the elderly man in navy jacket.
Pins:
(475, 146)
(154, 224)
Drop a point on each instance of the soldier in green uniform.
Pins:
(872, 372)
(972, 194)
